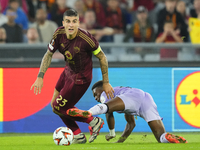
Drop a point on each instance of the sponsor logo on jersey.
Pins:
(76, 49)
(187, 99)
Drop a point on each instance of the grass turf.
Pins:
(136, 141)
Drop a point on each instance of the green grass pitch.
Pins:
(136, 141)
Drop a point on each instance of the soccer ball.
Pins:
(63, 136)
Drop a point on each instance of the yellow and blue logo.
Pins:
(187, 99)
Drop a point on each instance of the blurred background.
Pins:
(150, 44)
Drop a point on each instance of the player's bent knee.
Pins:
(56, 112)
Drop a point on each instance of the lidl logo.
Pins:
(187, 99)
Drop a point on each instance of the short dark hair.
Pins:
(10, 1)
(168, 21)
(98, 84)
(70, 12)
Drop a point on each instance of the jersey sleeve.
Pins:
(103, 98)
(53, 45)
(92, 44)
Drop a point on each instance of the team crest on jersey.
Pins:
(76, 49)
(187, 99)
(68, 55)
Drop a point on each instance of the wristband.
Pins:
(41, 75)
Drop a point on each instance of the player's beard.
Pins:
(73, 33)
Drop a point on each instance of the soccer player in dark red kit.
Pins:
(77, 46)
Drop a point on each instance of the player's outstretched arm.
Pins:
(46, 61)
(128, 129)
(111, 125)
(104, 69)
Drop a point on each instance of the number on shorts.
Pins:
(64, 101)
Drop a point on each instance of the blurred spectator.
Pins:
(13, 31)
(169, 35)
(98, 9)
(181, 8)
(32, 36)
(57, 10)
(3, 18)
(79, 6)
(196, 10)
(141, 30)
(115, 16)
(5, 3)
(100, 33)
(45, 27)
(2, 35)
(169, 13)
(33, 5)
(149, 4)
(21, 17)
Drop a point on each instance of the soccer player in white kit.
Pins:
(132, 102)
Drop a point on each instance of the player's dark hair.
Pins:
(98, 84)
(168, 21)
(11, 9)
(10, 1)
(71, 13)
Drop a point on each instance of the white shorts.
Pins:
(141, 105)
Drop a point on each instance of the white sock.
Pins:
(163, 139)
(99, 109)
(112, 132)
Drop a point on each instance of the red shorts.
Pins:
(70, 93)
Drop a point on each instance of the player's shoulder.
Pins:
(59, 31)
(103, 97)
(83, 31)
(87, 37)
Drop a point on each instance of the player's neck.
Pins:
(71, 36)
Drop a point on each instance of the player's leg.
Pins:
(112, 105)
(95, 123)
(79, 137)
(161, 136)
(55, 95)
(59, 85)
(116, 104)
(157, 128)
(69, 95)
(58, 104)
(151, 115)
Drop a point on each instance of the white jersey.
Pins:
(136, 101)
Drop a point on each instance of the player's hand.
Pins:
(108, 89)
(37, 86)
(108, 137)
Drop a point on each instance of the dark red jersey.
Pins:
(77, 53)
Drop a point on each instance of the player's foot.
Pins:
(94, 130)
(74, 112)
(79, 139)
(90, 129)
(108, 137)
(174, 138)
